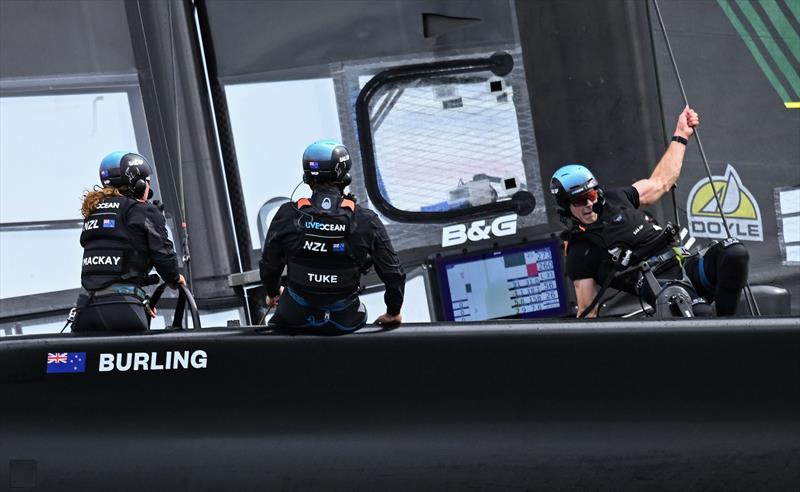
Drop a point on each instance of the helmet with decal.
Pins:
(571, 181)
(326, 161)
(127, 169)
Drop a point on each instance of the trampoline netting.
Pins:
(446, 142)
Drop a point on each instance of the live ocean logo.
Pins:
(738, 204)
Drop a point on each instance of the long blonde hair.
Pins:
(93, 197)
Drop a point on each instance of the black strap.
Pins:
(596, 299)
(70, 318)
(90, 297)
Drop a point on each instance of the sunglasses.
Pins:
(579, 200)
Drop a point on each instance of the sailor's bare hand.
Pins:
(272, 301)
(179, 282)
(687, 120)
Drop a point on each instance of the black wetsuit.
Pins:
(122, 239)
(326, 242)
(718, 275)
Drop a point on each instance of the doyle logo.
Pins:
(135, 162)
(107, 205)
(315, 246)
(738, 204)
(324, 227)
(61, 362)
(344, 158)
(152, 361)
(453, 235)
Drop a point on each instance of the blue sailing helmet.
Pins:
(570, 181)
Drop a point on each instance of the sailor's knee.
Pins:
(735, 256)
(733, 266)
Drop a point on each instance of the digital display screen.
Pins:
(522, 281)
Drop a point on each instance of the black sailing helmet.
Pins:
(128, 169)
(326, 161)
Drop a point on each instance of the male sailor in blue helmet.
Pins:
(608, 233)
(326, 242)
(123, 237)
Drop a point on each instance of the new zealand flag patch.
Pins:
(619, 219)
(338, 247)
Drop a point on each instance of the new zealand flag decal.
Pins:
(109, 223)
(61, 362)
(619, 219)
(313, 165)
(338, 247)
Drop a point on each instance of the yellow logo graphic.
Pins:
(738, 204)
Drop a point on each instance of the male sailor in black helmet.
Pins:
(326, 242)
(609, 232)
(123, 237)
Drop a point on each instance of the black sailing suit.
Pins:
(718, 275)
(326, 242)
(122, 239)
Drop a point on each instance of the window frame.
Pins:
(499, 64)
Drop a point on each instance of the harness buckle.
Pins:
(681, 252)
(729, 242)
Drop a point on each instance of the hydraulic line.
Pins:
(751, 301)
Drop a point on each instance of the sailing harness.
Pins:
(634, 243)
(338, 306)
(96, 297)
(324, 263)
